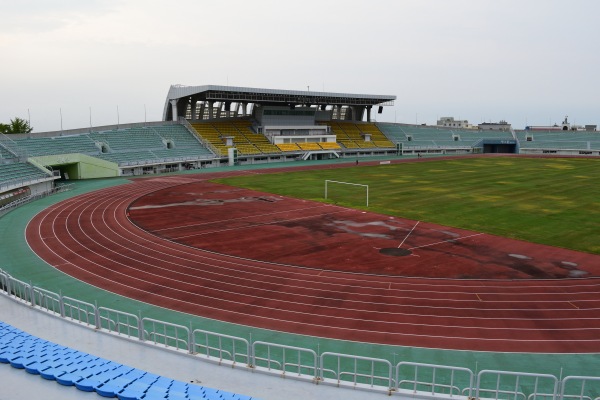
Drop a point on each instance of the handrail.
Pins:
(358, 372)
(202, 140)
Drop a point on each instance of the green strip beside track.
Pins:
(18, 260)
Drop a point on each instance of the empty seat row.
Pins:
(122, 145)
(20, 172)
(89, 373)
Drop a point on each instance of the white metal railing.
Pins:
(12, 205)
(583, 388)
(48, 301)
(512, 385)
(408, 379)
(358, 370)
(19, 290)
(221, 347)
(285, 359)
(168, 334)
(79, 311)
(12, 147)
(434, 379)
(119, 322)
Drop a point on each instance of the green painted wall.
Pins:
(80, 166)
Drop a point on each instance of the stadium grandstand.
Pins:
(221, 127)
(212, 126)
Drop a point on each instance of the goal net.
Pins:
(347, 193)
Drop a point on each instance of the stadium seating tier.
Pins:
(88, 373)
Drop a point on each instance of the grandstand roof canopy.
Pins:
(270, 96)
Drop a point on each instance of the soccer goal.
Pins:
(347, 192)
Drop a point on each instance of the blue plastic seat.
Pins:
(178, 390)
(162, 383)
(212, 394)
(51, 373)
(138, 389)
(71, 365)
(12, 354)
(156, 392)
(195, 391)
(114, 386)
(20, 360)
(39, 362)
(88, 373)
(91, 383)
(177, 396)
(98, 367)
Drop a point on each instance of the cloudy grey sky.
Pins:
(525, 61)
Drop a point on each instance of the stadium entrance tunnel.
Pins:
(67, 171)
(79, 166)
(500, 146)
(395, 252)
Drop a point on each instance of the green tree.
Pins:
(17, 125)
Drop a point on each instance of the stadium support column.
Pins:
(358, 112)
(211, 105)
(193, 108)
(369, 113)
(174, 109)
(244, 108)
(202, 107)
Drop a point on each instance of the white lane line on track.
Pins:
(240, 218)
(303, 287)
(450, 285)
(117, 244)
(249, 226)
(353, 319)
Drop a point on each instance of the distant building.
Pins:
(565, 126)
(495, 126)
(450, 122)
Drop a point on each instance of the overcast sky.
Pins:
(526, 61)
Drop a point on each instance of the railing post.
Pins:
(8, 288)
(140, 326)
(61, 304)
(251, 359)
(96, 315)
(190, 338)
(31, 298)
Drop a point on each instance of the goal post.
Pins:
(330, 184)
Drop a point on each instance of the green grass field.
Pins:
(553, 201)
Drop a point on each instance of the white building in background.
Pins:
(495, 126)
(450, 122)
(564, 126)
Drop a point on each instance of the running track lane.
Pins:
(91, 238)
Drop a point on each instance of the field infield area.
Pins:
(273, 228)
(267, 261)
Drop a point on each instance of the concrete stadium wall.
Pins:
(80, 166)
(42, 187)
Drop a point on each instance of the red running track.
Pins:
(91, 238)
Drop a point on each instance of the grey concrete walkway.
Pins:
(18, 384)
